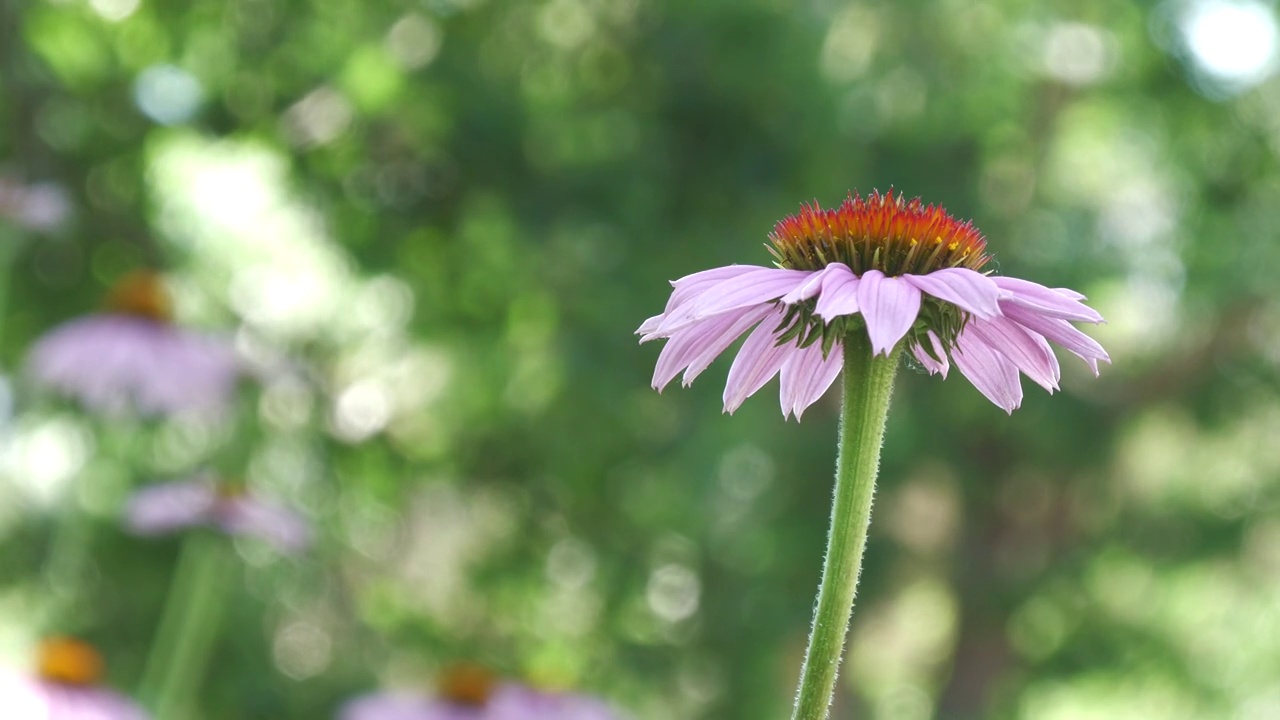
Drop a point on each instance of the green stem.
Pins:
(71, 547)
(188, 626)
(868, 383)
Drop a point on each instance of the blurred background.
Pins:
(431, 227)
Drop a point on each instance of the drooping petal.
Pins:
(1046, 301)
(839, 295)
(24, 698)
(757, 362)
(968, 290)
(806, 376)
(806, 289)
(890, 306)
(757, 286)
(744, 322)
(515, 702)
(1061, 332)
(689, 288)
(938, 365)
(388, 706)
(990, 372)
(1027, 350)
(120, 363)
(702, 341)
(169, 507)
(278, 525)
(751, 288)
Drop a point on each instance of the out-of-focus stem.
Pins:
(188, 627)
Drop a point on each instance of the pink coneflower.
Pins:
(897, 270)
(468, 692)
(132, 356)
(204, 501)
(42, 207)
(66, 688)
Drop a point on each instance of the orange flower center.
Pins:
(467, 684)
(881, 232)
(69, 661)
(231, 489)
(140, 293)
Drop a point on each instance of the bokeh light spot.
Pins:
(1232, 42)
(167, 94)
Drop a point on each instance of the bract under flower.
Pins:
(866, 267)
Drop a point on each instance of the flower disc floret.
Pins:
(881, 232)
(69, 661)
(140, 293)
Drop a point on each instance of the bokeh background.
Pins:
(432, 227)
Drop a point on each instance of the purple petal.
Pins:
(689, 288)
(1045, 301)
(1027, 350)
(757, 362)
(839, 292)
(30, 699)
(404, 706)
(806, 289)
(1061, 332)
(968, 290)
(117, 363)
(704, 359)
(513, 702)
(890, 306)
(806, 376)
(699, 344)
(169, 507)
(990, 372)
(249, 516)
(758, 286)
(935, 367)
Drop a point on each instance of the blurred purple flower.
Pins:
(514, 702)
(65, 688)
(204, 502)
(42, 207)
(505, 702)
(133, 357)
(896, 271)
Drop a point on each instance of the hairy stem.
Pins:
(868, 384)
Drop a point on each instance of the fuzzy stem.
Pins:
(868, 383)
(188, 626)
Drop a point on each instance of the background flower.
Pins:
(472, 692)
(203, 501)
(65, 688)
(134, 358)
(43, 207)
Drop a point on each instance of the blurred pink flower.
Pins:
(133, 357)
(468, 693)
(42, 207)
(514, 702)
(204, 502)
(65, 688)
(916, 280)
